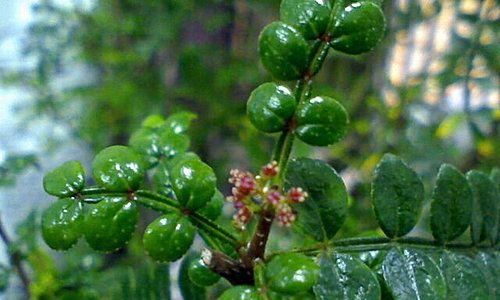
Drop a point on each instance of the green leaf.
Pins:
(62, 224)
(172, 143)
(180, 121)
(451, 204)
(213, 209)
(4, 278)
(359, 28)
(397, 195)
(484, 224)
(161, 179)
(146, 142)
(240, 292)
(153, 121)
(310, 17)
(118, 169)
(270, 107)
(109, 225)
(321, 121)
(324, 211)
(201, 275)
(345, 277)
(491, 270)
(66, 180)
(188, 289)
(193, 182)
(495, 177)
(410, 274)
(291, 273)
(169, 237)
(464, 279)
(283, 51)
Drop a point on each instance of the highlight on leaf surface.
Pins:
(291, 273)
(321, 121)
(62, 224)
(397, 196)
(118, 169)
(283, 51)
(66, 180)
(310, 17)
(270, 107)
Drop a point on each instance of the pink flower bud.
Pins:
(270, 170)
(297, 195)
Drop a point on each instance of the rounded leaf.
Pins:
(213, 209)
(411, 274)
(172, 143)
(240, 292)
(201, 275)
(345, 277)
(109, 224)
(180, 121)
(62, 224)
(464, 279)
(188, 289)
(270, 106)
(484, 220)
(321, 121)
(323, 212)
(193, 182)
(397, 195)
(359, 28)
(310, 17)
(283, 51)
(66, 180)
(169, 237)
(451, 204)
(118, 169)
(153, 121)
(291, 273)
(146, 142)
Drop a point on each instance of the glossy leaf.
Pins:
(66, 180)
(490, 266)
(359, 28)
(146, 142)
(324, 211)
(464, 279)
(240, 292)
(345, 277)
(291, 273)
(172, 143)
(109, 224)
(193, 182)
(188, 289)
(153, 121)
(201, 275)
(180, 121)
(62, 224)
(321, 121)
(169, 237)
(451, 205)
(283, 51)
(484, 221)
(161, 179)
(213, 209)
(270, 106)
(410, 274)
(397, 195)
(310, 17)
(118, 169)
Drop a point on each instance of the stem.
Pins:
(383, 243)
(231, 269)
(15, 259)
(258, 244)
(162, 204)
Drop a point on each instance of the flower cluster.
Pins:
(251, 194)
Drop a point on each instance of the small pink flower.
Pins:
(274, 198)
(243, 216)
(270, 170)
(297, 195)
(285, 215)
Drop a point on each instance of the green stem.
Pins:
(161, 204)
(382, 243)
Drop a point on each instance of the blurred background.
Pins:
(77, 76)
